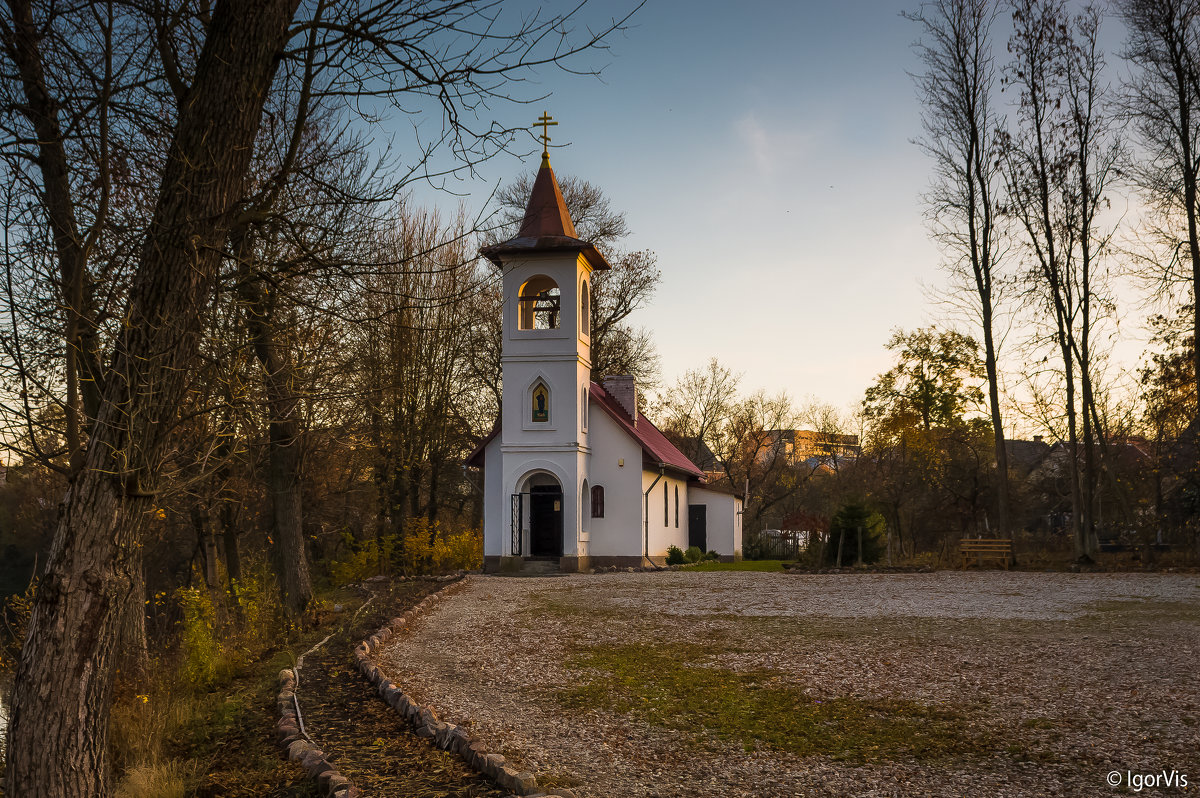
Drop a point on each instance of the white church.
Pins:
(572, 472)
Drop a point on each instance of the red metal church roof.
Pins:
(656, 449)
(655, 446)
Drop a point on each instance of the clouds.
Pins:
(774, 147)
(753, 136)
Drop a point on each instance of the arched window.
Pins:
(677, 507)
(539, 304)
(666, 507)
(585, 505)
(583, 408)
(585, 310)
(598, 501)
(540, 410)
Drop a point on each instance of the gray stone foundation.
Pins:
(573, 564)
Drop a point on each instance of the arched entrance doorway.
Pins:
(545, 516)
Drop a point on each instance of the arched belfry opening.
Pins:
(539, 304)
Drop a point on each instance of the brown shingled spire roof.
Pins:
(547, 226)
(546, 214)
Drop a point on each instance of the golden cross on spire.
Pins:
(545, 121)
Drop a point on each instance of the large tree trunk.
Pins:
(230, 537)
(207, 542)
(133, 654)
(283, 456)
(1090, 484)
(1078, 528)
(58, 737)
(283, 482)
(1189, 203)
(283, 408)
(1003, 522)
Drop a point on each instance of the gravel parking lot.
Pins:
(988, 684)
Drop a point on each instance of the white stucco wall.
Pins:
(724, 530)
(619, 532)
(559, 358)
(666, 534)
(493, 500)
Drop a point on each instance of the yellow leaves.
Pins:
(429, 546)
(198, 635)
(14, 621)
(426, 547)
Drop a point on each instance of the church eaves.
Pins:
(547, 225)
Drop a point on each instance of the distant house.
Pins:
(810, 446)
(1122, 461)
(700, 454)
(1025, 456)
(1122, 455)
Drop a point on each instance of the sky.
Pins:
(764, 151)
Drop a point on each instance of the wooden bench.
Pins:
(982, 549)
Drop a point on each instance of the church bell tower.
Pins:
(546, 366)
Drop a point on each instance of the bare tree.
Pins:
(58, 737)
(960, 121)
(1058, 164)
(696, 408)
(751, 457)
(1163, 100)
(416, 377)
(1097, 150)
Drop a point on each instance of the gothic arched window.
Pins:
(541, 403)
(677, 507)
(585, 309)
(598, 501)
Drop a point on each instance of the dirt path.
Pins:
(363, 737)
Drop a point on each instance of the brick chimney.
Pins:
(623, 388)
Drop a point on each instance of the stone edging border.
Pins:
(300, 748)
(424, 719)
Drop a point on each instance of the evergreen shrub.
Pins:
(847, 521)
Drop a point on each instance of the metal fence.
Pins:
(774, 544)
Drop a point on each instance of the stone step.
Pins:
(539, 568)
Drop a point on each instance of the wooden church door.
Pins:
(698, 526)
(546, 521)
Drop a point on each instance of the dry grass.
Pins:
(163, 779)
